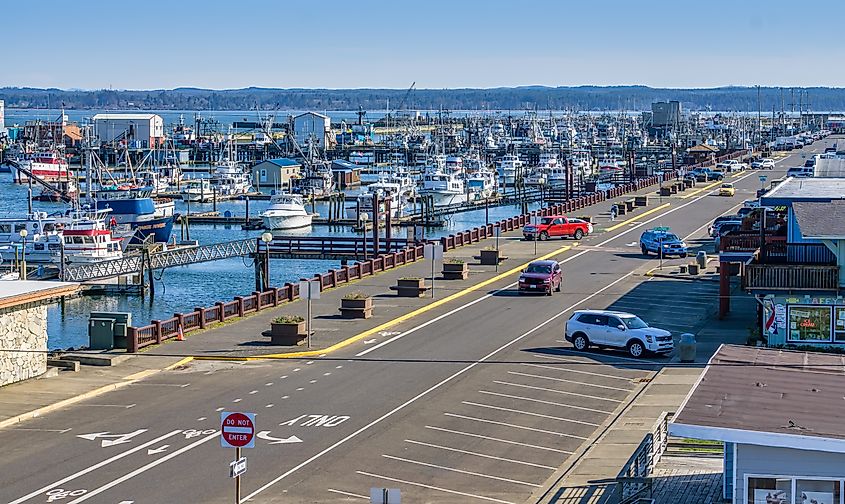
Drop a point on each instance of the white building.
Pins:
(2, 117)
(312, 125)
(140, 130)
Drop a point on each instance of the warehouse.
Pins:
(138, 131)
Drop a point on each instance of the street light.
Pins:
(23, 233)
(267, 237)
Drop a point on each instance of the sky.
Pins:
(158, 44)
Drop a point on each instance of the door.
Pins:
(615, 336)
(556, 229)
(597, 328)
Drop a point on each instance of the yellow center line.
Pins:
(397, 320)
(623, 223)
(705, 188)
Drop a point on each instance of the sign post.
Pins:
(385, 496)
(308, 290)
(432, 251)
(237, 430)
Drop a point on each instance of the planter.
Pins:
(621, 209)
(629, 205)
(490, 257)
(665, 191)
(410, 287)
(693, 269)
(455, 271)
(287, 334)
(641, 201)
(356, 308)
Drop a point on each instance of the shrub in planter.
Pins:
(490, 256)
(356, 305)
(455, 269)
(287, 326)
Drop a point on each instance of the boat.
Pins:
(135, 207)
(286, 211)
(42, 243)
(445, 188)
(92, 244)
(510, 166)
(197, 191)
(386, 191)
(482, 183)
(229, 180)
(318, 181)
(47, 165)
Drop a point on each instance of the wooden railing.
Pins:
(160, 330)
(791, 277)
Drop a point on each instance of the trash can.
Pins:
(686, 348)
(100, 333)
(701, 259)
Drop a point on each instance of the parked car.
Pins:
(557, 225)
(713, 230)
(800, 172)
(724, 229)
(731, 165)
(612, 329)
(727, 189)
(700, 174)
(662, 242)
(713, 174)
(541, 276)
(764, 164)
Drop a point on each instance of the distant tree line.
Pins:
(744, 99)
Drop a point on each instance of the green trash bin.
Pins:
(100, 333)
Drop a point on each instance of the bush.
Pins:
(453, 260)
(288, 319)
(355, 295)
(411, 279)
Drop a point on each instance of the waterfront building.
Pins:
(312, 127)
(275, 173)
(142, 131)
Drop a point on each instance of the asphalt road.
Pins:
(482, 404)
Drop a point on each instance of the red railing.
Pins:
(200, 318)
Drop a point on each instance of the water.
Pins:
(184, 288)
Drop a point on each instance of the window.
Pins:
(817, 492)
(792, 490)
(809, 323)
(589, 318)
(769, 491)
(839, 324)
(634, 323)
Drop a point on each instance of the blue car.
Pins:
(662, 241)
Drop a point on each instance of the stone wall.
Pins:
(23, 327)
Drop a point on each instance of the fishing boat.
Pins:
(135, 206)
(385, 191)
(509, 167)
(197, 191)
(286, 211)
(445, 188)
(482, 183)
(318, 180)
(41, 242)
(47, 165)
(229, 179)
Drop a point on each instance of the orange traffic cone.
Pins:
(180, 336)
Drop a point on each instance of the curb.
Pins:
(87, 395)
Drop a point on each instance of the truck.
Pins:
(557, 226)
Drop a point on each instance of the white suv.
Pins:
(603, 328)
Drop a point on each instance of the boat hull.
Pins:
(280, 222)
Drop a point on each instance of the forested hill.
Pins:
(519, 98)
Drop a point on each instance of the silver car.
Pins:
(612, 329)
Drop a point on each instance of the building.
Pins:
(666, 115)
(2, 117)
(23, 317)
(312, 126)
(275, 173)
(346, 174)
(779, 415)
(138, 131)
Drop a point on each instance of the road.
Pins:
(480, 404)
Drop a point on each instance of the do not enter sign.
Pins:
(237, 430)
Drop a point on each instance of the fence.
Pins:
(200, 318)
(633, 480)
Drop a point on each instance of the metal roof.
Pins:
(16, 292)
(806, 189)
(820, 219)
(124, 117)
(282, 162)
(769, 397)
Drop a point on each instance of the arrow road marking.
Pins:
(369, 341)
(118, 438)
(160, 449)
(274, 440)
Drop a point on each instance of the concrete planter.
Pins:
(287, 334)
(490, 257)
(455, 271)
(410, 287)
(356, 308)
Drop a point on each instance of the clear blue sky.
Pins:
(154, 44)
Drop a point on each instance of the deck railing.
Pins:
(791, 277)
(161, 330)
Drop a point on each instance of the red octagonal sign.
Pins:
(237, 430)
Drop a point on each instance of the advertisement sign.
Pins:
(816, 498)
(771, 497)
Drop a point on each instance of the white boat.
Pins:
(197, 191)
(91, 244)
(318, 181)
(445, 188)
(509, 167)
(556, 176)
(286, 211)
(454, 164)
(482, 183)
(42, 243)
(537, 177)
(386, 191)
(229, 179)
(49, 166)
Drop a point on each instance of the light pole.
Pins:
(267, 237)
(364, 218)
(23, 233)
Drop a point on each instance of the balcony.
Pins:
(791, 277)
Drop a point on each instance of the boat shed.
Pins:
(139, 131)
(275, 173)
(312, 126)
(779, 414)
(346, 174)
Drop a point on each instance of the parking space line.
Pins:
(483, 455)
(348, 494)
(461, 471)
(544, 389)
(541, 401)
(529, 413)
(504, 424)
(589, 373)
(585, 362)
(499, 440)
(561, 380)
(607, 356)
(432, 487)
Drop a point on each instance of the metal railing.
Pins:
(633, 482)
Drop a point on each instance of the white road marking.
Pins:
(309, 362)
(483, 455)
(544, 389)
(116, 438)
(144, 468)
(529, 413)
(297, 369)
(338, 366)
(541, 401)
(514, 426)
(237, 400)
(561, 380)
(327, 374)
(430, 389)
(586, 362)
(200, 419)
(299, 389)
(431, 487)
(268, 384)
(285, 397)
(370, 341)
(349, 494)
(569, 370)
(460, 471)
(160, 449)
(126, 406)
(265, 435)
(500, 440)
(220, 409)
(269, 405)
(312, 381)
(94, 467)
(60, 431)
(283, 377)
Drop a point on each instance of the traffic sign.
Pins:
(763, 178)
(237, 467)
(237, 430)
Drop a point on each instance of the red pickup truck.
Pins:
(557, 225)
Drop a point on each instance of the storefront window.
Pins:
(817, 492)
(839, 324)
(809, 323)
(769, 491)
